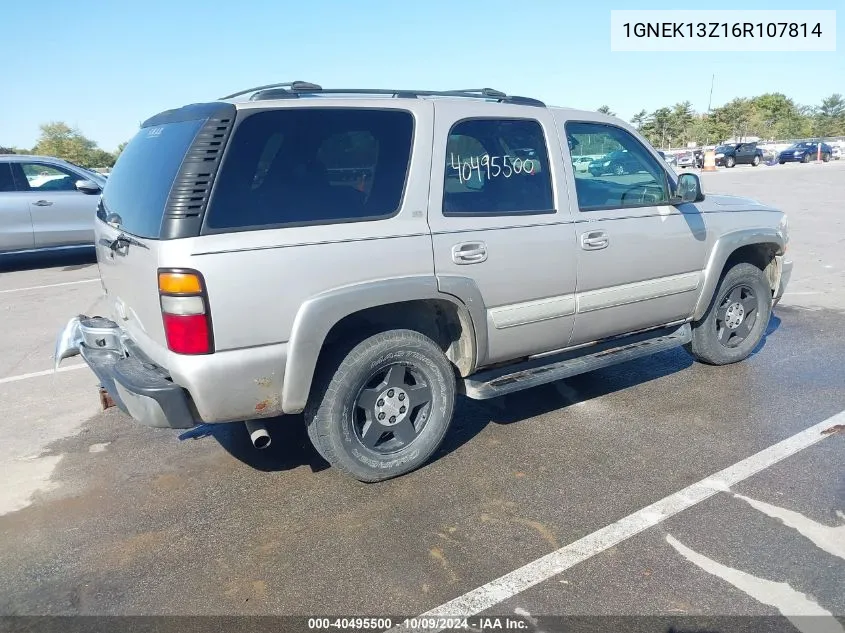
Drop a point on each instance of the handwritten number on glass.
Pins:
(489, 167)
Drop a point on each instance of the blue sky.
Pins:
(104, 66)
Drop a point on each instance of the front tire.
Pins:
(384, 408)
(736, 320)
(806, 158)
(730, 162)
(825, 158)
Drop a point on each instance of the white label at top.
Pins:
(723, 30)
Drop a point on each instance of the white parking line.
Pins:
(37, 374)
(801, 610)
(64, 283)
(550, 565)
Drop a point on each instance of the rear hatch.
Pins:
(155, 196)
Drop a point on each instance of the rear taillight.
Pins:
(184, 311)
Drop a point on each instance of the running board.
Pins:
(539, 371)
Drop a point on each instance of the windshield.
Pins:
(138, 186)
(724, 148)
(97, 177)
(801, 146)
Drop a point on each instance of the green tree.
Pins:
(680, 121)
(829, 117)
(99, 158)
(656, 127)
(639, 119)
(606, 110)
(120, 149)
(62, 141)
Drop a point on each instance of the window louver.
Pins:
(192, 186)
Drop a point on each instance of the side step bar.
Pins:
(539, 371)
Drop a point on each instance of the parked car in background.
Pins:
(804, 152)
(836, 154)
(582, 163)
(46, 203)
(738, 154)
(670, 159)
(691, 158)
(618, 163)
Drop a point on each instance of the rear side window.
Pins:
(302, 166)
(7, 181)
(497, 167)
(138, 187)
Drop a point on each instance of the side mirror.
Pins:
(87, 186)
(689, 188)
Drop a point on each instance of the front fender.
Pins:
(722, 250)
(318, 315)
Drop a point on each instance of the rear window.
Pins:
(138, 186)
(303, 166)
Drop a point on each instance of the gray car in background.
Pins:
(46, 203)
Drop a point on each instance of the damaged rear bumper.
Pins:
(137, 386)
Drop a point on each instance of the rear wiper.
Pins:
(121, 239)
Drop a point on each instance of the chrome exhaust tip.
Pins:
(258, 434)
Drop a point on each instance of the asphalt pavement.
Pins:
(99, 516)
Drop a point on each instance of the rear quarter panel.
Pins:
(258, 280)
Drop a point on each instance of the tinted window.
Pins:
(7, 181)
(138, 186)
(41, 177)
(313, 165)
(497, 167)
(621, 171)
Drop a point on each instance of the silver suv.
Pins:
(363, 256)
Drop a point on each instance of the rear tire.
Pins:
(756, 161)
(736, 320)
(382, 409)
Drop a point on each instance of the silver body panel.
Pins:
(275, 294)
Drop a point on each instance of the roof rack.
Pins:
(294, 89)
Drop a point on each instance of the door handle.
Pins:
(594, 240)
(469, 252)
(42, 203)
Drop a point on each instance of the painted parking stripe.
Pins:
(64, 283)
(552, 564)
(37, 374)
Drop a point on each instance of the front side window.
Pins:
(621, 172)
(313, 166)
(41, 177)
(497, 167)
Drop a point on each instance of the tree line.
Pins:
(63, 141)
(768, 116)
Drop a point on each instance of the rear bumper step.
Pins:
(138, 387)
(540, 371)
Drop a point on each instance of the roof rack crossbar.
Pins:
(297, 88)
(293, 85)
